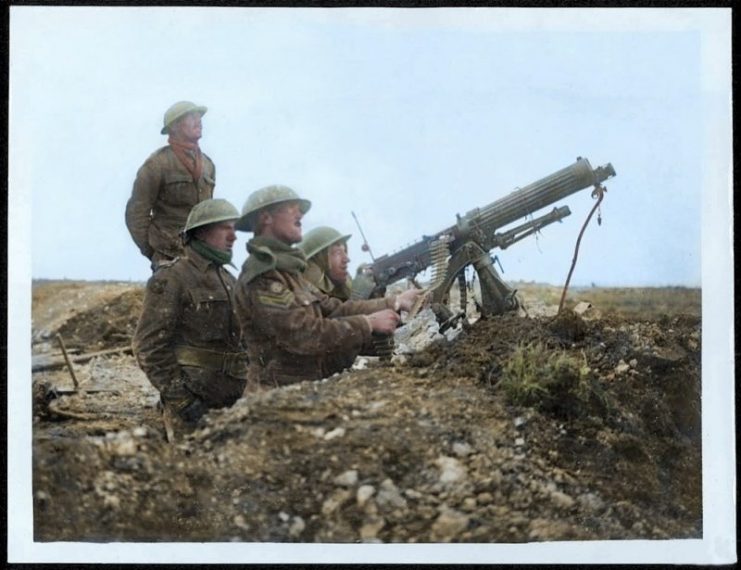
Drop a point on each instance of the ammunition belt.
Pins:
(231, 363)
(384, 346)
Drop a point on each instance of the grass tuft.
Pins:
(547, 379)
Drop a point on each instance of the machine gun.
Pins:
(469, 241)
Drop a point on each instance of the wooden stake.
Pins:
(69, 364)
(167, 421)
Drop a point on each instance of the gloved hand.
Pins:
(193, 411)
(183, 402)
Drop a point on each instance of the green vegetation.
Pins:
(548, 380)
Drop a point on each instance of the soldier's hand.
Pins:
(193, 411)
(384, 321)
(177, 397)
(405, 301)
(189, 409)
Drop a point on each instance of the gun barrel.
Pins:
(513, 235)
(537, 195)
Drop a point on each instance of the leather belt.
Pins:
(230, 363)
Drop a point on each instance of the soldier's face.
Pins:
(284, 222)
(338, 261)
(220, 236)
(188, 128)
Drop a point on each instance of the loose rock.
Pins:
(451, 470)
(449, 524)
(364, 493)
(347, 479)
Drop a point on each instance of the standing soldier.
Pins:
(171, 181)
(188, 340)
(293, 331)
(326, 255)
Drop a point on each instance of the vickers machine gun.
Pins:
(469, 241)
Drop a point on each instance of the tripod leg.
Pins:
(462, 290)
(496, 296)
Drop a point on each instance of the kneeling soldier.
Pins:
(293, 331)
(188, 340)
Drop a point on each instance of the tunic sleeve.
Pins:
(295, 320)
(333, 307)
(139, 207)
(153, 341)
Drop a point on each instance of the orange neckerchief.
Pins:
(189, 154)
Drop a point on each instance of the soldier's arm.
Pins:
(401, 302)
(153, 341)
(139, 207)
(333, 307)
(280, 315)
(209, 170)
(213, 169)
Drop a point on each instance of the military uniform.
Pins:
(188, 338)
(318, 277)
(316, 246)
(315, 275)
(293, 331)
(163, 194)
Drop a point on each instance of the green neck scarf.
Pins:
(269, 253)
(217, 256)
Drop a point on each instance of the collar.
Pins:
(198, 260)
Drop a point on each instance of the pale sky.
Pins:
(406, 117)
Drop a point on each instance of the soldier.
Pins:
(326, 254)
(169, 183)
(188, 340)
(293, 331)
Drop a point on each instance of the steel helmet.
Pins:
(320, 238)
(210, 212)
(178, 110)
(268, 196)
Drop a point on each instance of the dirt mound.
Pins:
(110, 324)
(638, 428)
(89, 316)
(432, 449)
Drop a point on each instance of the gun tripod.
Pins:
(496, 296)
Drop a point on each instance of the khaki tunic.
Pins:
(315, 275)
(163, 194)
(189, 303)
(294, 332)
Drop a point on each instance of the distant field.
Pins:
(635, 302)
(631, 302)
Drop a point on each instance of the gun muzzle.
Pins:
(602, 173)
